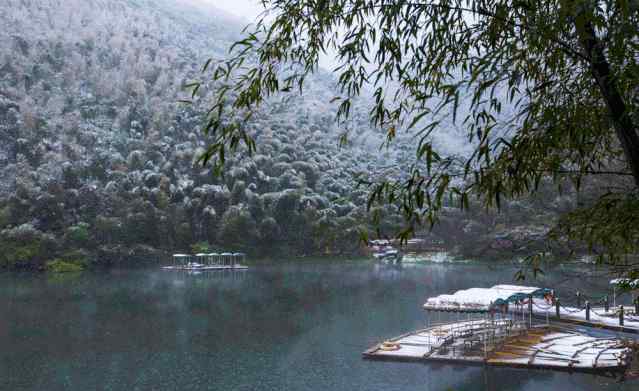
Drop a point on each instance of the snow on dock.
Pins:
(505, 343)
(444, 341)
(598, 317)
(561, 349)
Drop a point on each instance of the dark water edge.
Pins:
(280, 326)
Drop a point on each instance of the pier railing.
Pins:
(484, 334)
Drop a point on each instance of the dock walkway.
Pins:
(599, 317)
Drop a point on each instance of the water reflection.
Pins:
(289, 326)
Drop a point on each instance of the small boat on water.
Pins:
(389, 255)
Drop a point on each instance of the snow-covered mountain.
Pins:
(97, 155)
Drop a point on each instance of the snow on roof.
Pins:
(482, 299)
(180, 255)
(201, 255)
(516, 289)
(626, 282)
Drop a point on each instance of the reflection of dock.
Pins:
(216, 274)
(504, 343)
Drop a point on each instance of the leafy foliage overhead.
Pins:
(548, 88)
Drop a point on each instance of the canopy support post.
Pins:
(530, 309)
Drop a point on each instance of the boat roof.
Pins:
(482, 299)
(626, 282)
(181, 255)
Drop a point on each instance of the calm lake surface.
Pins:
(287, 326)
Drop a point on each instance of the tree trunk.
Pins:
(621, 121)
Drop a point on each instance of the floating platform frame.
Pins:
(541, 347)
(499, 338)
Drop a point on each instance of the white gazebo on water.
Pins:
(485, 300)
(207, 261)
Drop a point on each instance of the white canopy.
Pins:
(482, 299)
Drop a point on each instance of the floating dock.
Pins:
(474, 343)
(503, 334)
(208, 261)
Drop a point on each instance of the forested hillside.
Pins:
(98, 159)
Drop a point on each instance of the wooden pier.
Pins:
(540, 347)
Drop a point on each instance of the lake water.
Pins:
(290, 326)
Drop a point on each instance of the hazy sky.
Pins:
(250, 10)
(246, 9)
